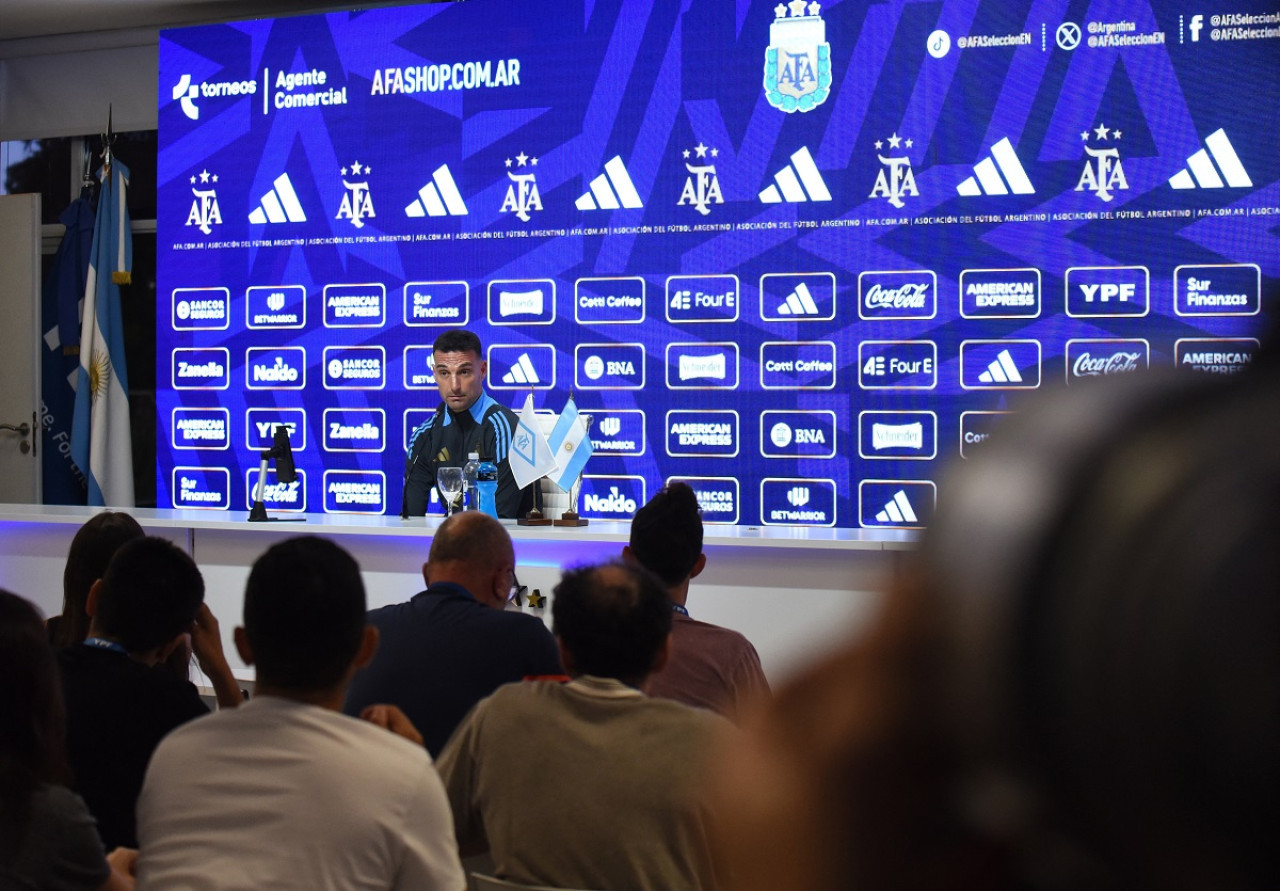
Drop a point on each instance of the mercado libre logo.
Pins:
(797, 63)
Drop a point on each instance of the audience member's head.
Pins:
(666, 535)
(32, 726)
(1076, 684)
(148, 597)
(612, 621)
(91, 550)
(473, 550)
(304, 616)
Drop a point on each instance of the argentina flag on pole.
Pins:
(101, 445)
(570, 446)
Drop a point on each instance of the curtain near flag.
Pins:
(101, 445)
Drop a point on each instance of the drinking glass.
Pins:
(449, 481)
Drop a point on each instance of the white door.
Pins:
(19, 349)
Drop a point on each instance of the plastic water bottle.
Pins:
(487, 487)
(469, 482)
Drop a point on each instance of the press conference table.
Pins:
(791, 590)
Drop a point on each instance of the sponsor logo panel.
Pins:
(803, 365)
(355, 430)
(355, 368)
(896, 504)
(280, 306)
(975, 429)
(1101, 357)
(609, 301)
(436, 303)
(798, 182)
(1216, 166)
(702, 366)
(1227, 289)
(204, 488)
(718, 496)
(522, 367)
(798, 434)
(797, 502)
(898, 435)
(1000, 364)
(275, 368)
(702, 434)
(288, 497)
(1000, 293)
(201, 309)
(905, 294)
(611, 190)
(260, 427)
(1214, 355)
(611, 497)
(702, 298)
(798, 297)
(522, 302)
(200, 368)
(619, 433)
(608, 366)
(201, 428)
(418, 367)
(355, 492)
(1108, 291)
(355, 306)
(897, 364)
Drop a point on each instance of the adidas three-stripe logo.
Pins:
(611, 189)
(1001, 371)
(1201, 172)
(799, 303)
(986, 179)
(898, 510)
(280, 205)
(438, 198)
(522, 372)
(791, 183)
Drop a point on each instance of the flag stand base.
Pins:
(533, 518)
(570, 518)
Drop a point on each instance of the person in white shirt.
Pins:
(287, 792)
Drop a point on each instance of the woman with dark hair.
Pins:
(47, 837)
(87, 558)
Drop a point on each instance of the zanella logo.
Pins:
(185, 93)
(1103, 171)
(797, 64)
(205, 213)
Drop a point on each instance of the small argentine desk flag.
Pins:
(530, 457)
(570, 445)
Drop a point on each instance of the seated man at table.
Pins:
(119, 703)
(589, 784)
(710, 666)
(286, 792)
(454, 643)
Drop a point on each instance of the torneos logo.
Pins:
(780, 435)
(185, 92)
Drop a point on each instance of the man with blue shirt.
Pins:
(468, 420)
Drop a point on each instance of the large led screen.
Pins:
(798, 254)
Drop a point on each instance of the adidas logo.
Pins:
(792, 182)
(1201, 172)
(1001, 371)
(280, 205)
(898, 510)
(611, 189)
(438, 198)
(799, 303)
(986, 179)
(522, 372)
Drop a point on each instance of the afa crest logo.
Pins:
(797, 64)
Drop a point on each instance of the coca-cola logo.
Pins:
(1086, 365)
(911, 295)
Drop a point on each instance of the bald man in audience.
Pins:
(589, 784)
(454, 643)
(710, 666)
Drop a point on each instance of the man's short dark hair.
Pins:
(666, 534)
(612, 619)
(472, 538)
(304, 614)
(150, 594)
(458, 340)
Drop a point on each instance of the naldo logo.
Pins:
(797, 63)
